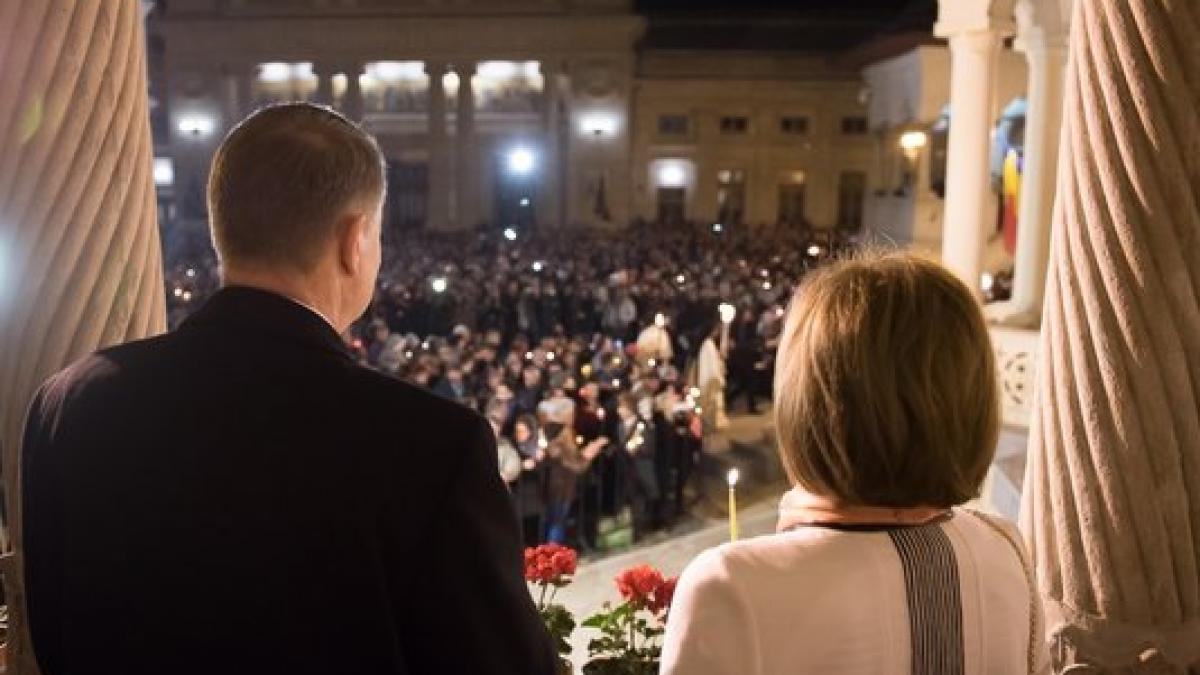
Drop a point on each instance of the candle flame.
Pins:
(732, 477)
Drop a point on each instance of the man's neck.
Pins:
(288, 286)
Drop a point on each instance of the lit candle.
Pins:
(732, 478)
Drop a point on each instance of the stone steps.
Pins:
(748, 445)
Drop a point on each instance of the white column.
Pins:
(244, 85)
(324, 93)
(550, 211)
(352, 102)
(1046, 53)
(973, 63)
(438, 198)
(467, 203)
(229, 90)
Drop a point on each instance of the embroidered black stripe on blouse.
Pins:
(934, 599)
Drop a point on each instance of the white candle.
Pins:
(732, 478)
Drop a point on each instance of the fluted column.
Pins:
(79, 249)
(466, 178)
(975, 41)
(1112, 489)
(438, 200)
(1044, 41)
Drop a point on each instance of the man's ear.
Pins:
(351, 241)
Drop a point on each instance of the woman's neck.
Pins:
(799, 507)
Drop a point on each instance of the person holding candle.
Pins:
(887, 414)
(568, 455)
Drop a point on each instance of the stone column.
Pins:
(438, 199)
(1112, 489)
(1044, 42)
(244, 85)
(976, 30)
(231, 108)
(352, 102)
(324, 93)
(550, 211)
(79, 248)
(466, 174)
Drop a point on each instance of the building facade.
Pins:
(749, 138)
(526, 113)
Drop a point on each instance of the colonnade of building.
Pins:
(455, 199)
(977, 32)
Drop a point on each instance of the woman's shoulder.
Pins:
(986, 531)
(992, 542)
(805, 555)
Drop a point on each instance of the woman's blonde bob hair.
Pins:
(885, 385)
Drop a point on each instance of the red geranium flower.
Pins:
(661, 602)
(638, 584)
(550, 564)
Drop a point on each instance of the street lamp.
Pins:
(196, 125)
(164, 172)
(911, 143)
(598, 124)
(521, 161)
(672, 175)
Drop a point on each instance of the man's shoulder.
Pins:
(110, 363)
(97, 376)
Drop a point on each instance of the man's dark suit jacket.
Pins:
(240, 496)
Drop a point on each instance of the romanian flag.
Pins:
(1010, 196)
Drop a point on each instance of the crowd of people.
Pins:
(585, 351)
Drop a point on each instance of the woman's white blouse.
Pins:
(818, 600)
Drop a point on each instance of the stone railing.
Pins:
(1016, 367)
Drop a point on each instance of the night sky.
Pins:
(846, 6)
(830, 26)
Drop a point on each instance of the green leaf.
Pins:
(595, 621)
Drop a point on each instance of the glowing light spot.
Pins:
(521, 161)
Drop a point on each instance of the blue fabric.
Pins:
(556, 522)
